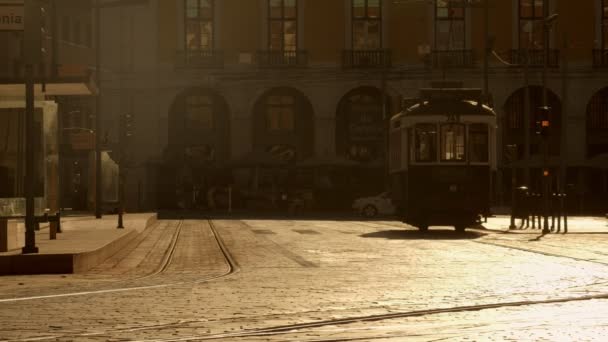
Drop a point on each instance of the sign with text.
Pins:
(11, 17)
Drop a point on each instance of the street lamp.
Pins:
(547, 25)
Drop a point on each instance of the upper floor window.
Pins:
(283, 25)
(531, 15)
(367, 24)
(450, 24)
(199, 24)
(280, 113)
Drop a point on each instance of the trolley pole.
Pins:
(486, 56)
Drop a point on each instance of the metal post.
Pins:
(545, 144)
(30, 220)
(527, 117)
(98, 187)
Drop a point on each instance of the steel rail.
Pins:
(231, 269)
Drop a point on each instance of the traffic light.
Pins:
(35, 31)
(127, 127)
(542, 124)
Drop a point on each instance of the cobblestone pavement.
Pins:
(322, 281)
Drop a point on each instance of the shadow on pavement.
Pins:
(247, 215)
(429, 235)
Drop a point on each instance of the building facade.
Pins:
(199, 89)
(62, 83)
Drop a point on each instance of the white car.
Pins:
(372, 206)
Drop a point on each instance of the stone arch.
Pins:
(360, 125)
(199, 126)
(513, 120)
(283, 124)
(597, 124)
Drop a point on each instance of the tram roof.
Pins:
(443, 101)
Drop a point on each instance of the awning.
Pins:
(51, 89)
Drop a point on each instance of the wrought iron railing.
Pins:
(271, 59)
(451, 59)
(199, 59)
(366, 58)
(600, 58)
(534, 57)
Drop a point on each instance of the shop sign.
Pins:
(11, 17)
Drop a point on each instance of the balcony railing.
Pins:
(451, 59)
(366, 58)
(199, 59)
(535, 58)
(600, 58)
(282, 59)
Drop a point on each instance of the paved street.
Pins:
(307, 280)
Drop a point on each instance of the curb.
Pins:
(67, 263)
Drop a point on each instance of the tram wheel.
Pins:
(370, 211)
(460, 228)
(423, 228)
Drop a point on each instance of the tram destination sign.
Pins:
(11, 17)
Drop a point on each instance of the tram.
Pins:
(442, 158)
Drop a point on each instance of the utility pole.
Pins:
(98, 187)
(32, 54)
(488, 48)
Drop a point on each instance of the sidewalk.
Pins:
(84, 243)
(576, 224)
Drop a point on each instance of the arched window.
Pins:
(199, 126)
(359, 125)
(597, 124)
(513, 127)
(283, 124)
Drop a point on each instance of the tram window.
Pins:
(452, 142)
(426, 143)
(478, 137)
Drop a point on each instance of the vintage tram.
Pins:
(442, 158)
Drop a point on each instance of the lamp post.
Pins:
(546, 176)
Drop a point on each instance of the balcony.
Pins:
(366, 58)
(199, 59)
(282, 59)
(439, 59)
(535, 58)
(600, 58)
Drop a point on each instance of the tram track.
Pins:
(231, 268)
(304, 327)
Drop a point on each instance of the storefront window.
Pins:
(426, 143)
(452, 142)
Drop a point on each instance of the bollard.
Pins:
(565, 205)
(58, 215)
(120, 225)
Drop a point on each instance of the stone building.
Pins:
(206, 93)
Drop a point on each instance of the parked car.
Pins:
(369, 207)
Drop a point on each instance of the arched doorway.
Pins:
(595, 183)
(284, 124)
(360, 126)
(528, 172)
(360, 137)
(198, 147)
